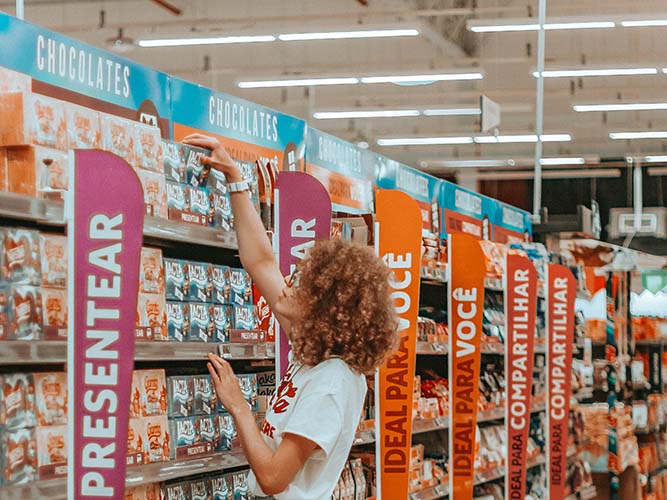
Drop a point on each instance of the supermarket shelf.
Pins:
(56, 489)
(420, 426)
(432, 348)
(433, 275)
(21, 352)
(50, 212)
(439, 491)
(584, 494)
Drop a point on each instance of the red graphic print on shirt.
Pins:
(281, 399)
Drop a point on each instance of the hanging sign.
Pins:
(303, 209)
(398, 244)
(105, 226)
(466, 306)
(520, 312)
(561, 294)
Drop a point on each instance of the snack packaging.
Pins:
(4, 322)
(200, 489)
(148, 147)
(155, 193)
(206, 399)
(20, 464)
(209, 431)
(186, 438)
(188, 204)
(135, 442)
(241, 286)
(37, 171)
(180, 396)
(20, 257)
(223, 316)
(51, 398)
(201, 205)
(228, 435)
(197, 172)
(240, 486)
(144, 492)
(155, 431)
(3, 170)
(152, 271)
(51, 444)
(83, 127)
(25, 313)
(179, 491)
(249, 388)
(174, 161)
(118, 137)
(221, 285)
(32, 119)
(245, 318)
(177, 281)
(178, 320)
(201, 287)
(201, 329)
(222, 211)
(53, 257)
(54, 311)
(149, 393)
(18, 394)
(222, 488)
(152, 317)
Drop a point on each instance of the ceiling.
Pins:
(444, 45)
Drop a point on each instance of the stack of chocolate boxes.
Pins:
(148, 438)
(206, 301)
(151, 305)
(217, 487)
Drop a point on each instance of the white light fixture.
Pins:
(424, 141)
(219, 40)
(664, 70)
(484, 139)
(580, 25)
(525, 138)
(638, 135)
(588, 108)
(569, 73)
(422, 78)
(303, 82)
(340, 35)
(656, 159)
(562, 161)
(644, 23)
(503, 28)
(552, 174)
(452, 112)
(470, 163)
(380, 113)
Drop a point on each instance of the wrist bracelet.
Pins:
(238, 187)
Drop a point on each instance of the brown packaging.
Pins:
(152, 271)
(51, 398)
(51, 451)
(53, 255)
(152, 317)
(32, 119)
(83, 127)
(37, 171)
(155, 193)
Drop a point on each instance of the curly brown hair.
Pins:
(346, 308)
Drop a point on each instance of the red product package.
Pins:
(148, 147)
(53, 255)
(118, 137)
(20, 256)
(51, 398)
(155, 193)
(25, 316)
(54, 312)
(83, 127)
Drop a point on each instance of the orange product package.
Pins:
(155, 434)
(152, 316)
(148, 147)
(152, 271)
(145, 492)
(54, 313)
(53, 254)
(32, 119)
(149, 393)
(37, 171)
(51, 398)
(135, 442)
(83, 127)
(51, 451)
(3, 170)
(118, 137)
(155, 193)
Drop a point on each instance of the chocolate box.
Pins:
(155, 193)
(181, 396)
(83, 127)
(209, 430)
(241, 286)
(201, 329)
(201, 286)
(222, 211)
(221, 286)
(241, 486)
(20, 463)
(245, 317)
(4, 316)
(249, 388)
(197, 172)
(18, 394)
(178, 320)
(53, 257)
(25, 312)
(54, 312)
(228, 435)
(20, 256)
(174, 161)
(51, 398)
(135, 442)
(186, 438)
(144, 492)
(177, 281)
(200, 489)
(223, 316)
(118, 137)
(206, 400)
(188, 204)
(178, 491)
(151, 279)
(148, 147)
(222, 488)
(51, 443)
(156, 439)
(149, 393)
(201, 204)
(32, 119)
(152, 317)
(37, 171)
(3, 170)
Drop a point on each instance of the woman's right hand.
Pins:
(219, 160)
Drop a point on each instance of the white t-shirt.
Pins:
(322, 403)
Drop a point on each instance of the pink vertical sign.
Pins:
(303, 213)
(105, 226)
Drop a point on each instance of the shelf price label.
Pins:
(105, 228)
(561, 292)
(466, 306)
(303, 209)
(398, 244)
(520, 311)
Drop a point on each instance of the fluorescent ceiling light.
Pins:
(580, 25)
(638, 135)
(655, 159)
(424, 141)
(471, 163)
(552, 174)
(304, 82)
(422, 78)
(504, 28)
(566, 73)
(452, 112)
(501, 28)
(182, 42)
(562, 161)
(644, 23)
(382, 113)
(525, 138)
(587, 108)
(338, 35)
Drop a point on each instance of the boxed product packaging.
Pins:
(135, 442)
(178, 491)
(201, 204)
(222, 211)
(148, 147)
(200, 489)
(209, 431)
(3, 170)
(152, 271)
(51, 443)
(241, 287)
(266, 383)
(249, 388)
(174, 161)
(222, 322)
(245, 318)
(20, 256)
(83, 127)
(241, 486)
(155, 433)
(37, 171)
(4, 318)
(181, 396)
(186, 438)
(177, 281)
(118, 137)
(178, 320)
(221, 286)
(54, 310)
(155, 193)
(200, 320)
(51, 398)
(25, 312)
(197, 172)
(188, 204)
(53, 256)
(149, 393)
(222, 488)
(228, 435)
(144, 492)
(206, 399)
(18, 394)
(152, 317)
(199, 274)
(32, 119)
(20, 461)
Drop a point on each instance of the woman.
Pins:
(337, 313)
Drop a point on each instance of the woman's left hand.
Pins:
(226, 385)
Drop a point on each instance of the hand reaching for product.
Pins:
(226, 385)
(219, 160)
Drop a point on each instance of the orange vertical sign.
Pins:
(398, 244)
(466, 306)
